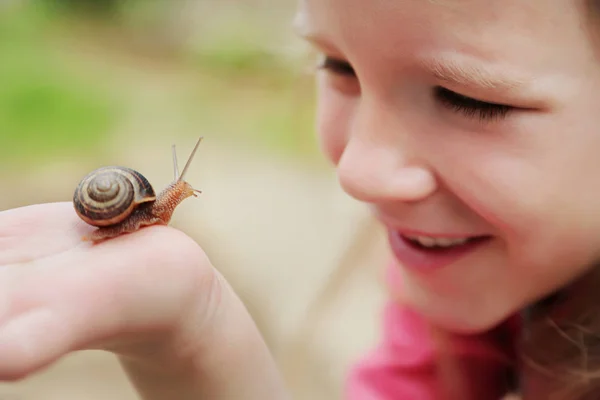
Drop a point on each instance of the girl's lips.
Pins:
(424, 259)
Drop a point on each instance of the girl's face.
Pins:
(472, 129)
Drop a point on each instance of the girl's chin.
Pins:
(439, 299)
(453, 315)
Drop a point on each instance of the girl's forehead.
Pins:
(515, 32)
(389, 16)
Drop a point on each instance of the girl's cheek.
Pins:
(334, 116)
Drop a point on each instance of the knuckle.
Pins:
(163, 248)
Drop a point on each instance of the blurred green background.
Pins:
(85, 83)
(72, 73)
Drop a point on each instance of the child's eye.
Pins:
(470, 107)
(337, 66)
(341, 75)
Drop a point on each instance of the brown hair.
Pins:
(560, 343)
(556, 355)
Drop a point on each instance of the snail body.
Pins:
(120, 200)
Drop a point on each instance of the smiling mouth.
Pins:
(427, 253)
(441, 243)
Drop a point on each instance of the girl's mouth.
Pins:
(440, 243)
(428, 253)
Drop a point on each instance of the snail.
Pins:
(119, 200)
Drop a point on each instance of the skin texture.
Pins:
(528, 179)
(151, 297)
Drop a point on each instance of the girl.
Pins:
(469, 128)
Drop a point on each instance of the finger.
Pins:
(31, 342)
(223, 356)
(92, 295)
(33, 232)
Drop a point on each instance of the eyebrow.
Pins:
(304, 30)
(458, 70)
(466, 73)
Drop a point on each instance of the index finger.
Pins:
(25, 232)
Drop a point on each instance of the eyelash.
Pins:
(468, 106)
(337, 66)
(471, 107)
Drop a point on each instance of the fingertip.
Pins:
(158, 244)
(173, 245)
(156, 262)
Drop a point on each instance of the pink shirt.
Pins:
(403, 366)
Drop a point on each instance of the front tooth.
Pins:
(426, 241)
(444, 242)
(447, 242)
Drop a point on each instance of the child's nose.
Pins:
(378, 172)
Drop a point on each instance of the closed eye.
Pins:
(337, 66)
(341, 76)
(470, 107)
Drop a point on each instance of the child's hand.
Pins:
(151, 297)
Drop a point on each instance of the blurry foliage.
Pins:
(44, 111)
(107, 10)
(90, 7)
(239, 44)
(233, 53)
(243, 89)
(260, 90)
(278, 114)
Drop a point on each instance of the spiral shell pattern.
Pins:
(108, 195)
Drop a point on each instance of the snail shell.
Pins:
(108, 195)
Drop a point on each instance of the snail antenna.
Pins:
(175, 166)
(191, 157)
